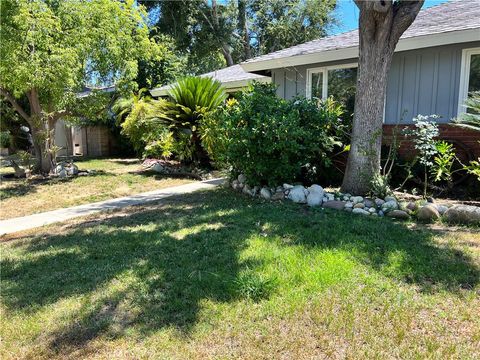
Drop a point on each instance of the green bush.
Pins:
(4, 139)
(170, 128)
(270, 139)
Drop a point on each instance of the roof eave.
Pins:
(417, 42)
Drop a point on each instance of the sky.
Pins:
(347, 13)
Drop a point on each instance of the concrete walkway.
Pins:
(32, 221)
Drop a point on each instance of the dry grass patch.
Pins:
(115, 178)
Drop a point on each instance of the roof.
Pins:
(232, 78)
(86, 91)
(451, 22)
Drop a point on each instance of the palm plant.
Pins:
(471, 119)
(190, 100)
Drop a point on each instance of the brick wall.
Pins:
(465, 141)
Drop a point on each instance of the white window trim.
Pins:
(465, 77)
(324, 70)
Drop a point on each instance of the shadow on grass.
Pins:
(152, 268)
(21, 187)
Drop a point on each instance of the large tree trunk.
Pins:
(381, 25)
(42, 126)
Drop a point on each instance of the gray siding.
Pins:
(424, 81)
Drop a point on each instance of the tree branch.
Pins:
(14, 103)
(404, 13)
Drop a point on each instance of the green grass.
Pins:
(115, 178)
(218, 275)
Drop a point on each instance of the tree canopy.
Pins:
(51, 49)
(239, 29)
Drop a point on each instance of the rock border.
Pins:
(390, 206)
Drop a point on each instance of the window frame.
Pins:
(465, 77)
(324, 70)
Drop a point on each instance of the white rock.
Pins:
(298, 194)
(349, 205)
(235, 184)
(314, 199)
(316, 188)
(330, 197)
(325, 199)
(372, 210)
(441, 208)
(59, 168)
(390, 205)
(266, 194)
(287, 186)
(356, 199)
(360, 211)
(247, 190)
(72, 170)
(241, 178)
(62, 174)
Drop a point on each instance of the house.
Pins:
(435, 65)
(91, 140)
(233, 79)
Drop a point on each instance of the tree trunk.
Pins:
(365, 149)
(381, 24)
(243, 29)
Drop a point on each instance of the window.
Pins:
(469, 76)
(336, 81)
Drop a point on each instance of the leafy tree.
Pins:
(381, 24)
(51, 49)
(240, 29)
(283, 23)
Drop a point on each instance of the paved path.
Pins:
(36, 220)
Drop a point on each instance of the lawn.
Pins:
(114, 178)
(218, 275)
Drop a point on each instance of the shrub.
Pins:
(270, 139)
(4, 139)
(171, 127)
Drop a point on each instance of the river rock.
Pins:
(314, 199)
(379, 202)
(334, 204)
(441, 209)
(356, 199)
(348, 205)
(287, 186)
(390, 198)
(360, 211)
(463, 214)
(412, 206)
(428, 213)
(359, 206)
(278, 196)
(369, 203)
(389, 206)
(298, 194)
(242, 178)
(265, 193)
(398, 214)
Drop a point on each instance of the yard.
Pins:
(218, 275)
(114, 178)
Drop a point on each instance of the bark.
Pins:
(42, 127)
(243, 29)
(381, 25)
